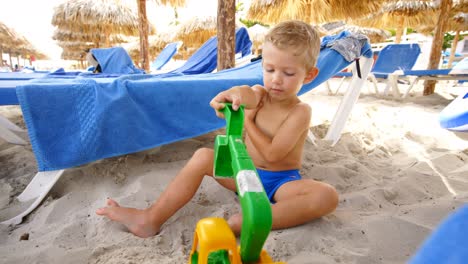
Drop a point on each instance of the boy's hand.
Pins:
(217, 103)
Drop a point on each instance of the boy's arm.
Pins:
(277, 148)
(237, 95)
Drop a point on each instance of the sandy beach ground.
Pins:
(397, 172)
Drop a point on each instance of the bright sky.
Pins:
(32, 18)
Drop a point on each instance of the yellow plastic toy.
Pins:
(214, 242)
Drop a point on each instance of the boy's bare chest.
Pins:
(270, 120)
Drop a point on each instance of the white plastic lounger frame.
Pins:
(39, 186)
(435, 78)
(6, 132)
(397, 75)
(348, 101)
(34, 193)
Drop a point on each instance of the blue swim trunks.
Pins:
(272, 180)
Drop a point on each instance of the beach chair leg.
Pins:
(339, 86)
(34, 193)
(348, 101)
(311, 138)
(9, 125)
(374, 81)
(392, 83)
(327, 83)
(411, 87)
(10, 137)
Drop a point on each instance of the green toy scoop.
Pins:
(232, 160)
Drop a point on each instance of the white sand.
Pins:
(398, 174)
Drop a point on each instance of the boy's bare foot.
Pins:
(137, 221)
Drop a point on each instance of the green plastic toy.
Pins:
(233, 161)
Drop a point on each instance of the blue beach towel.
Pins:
(115, 61)
(73, 122)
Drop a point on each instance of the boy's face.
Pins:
(283, 73)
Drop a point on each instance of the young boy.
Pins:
(276, 125)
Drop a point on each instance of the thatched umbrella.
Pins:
(88, 16)
(6, 35)
(424, 12)
(457, 23)
(402, 14)
(311, 11)
(13, 43)
(5, 39)
(95, 36)
(197, 30)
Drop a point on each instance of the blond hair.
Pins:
(296, 36)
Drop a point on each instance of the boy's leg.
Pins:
(147, 222)
(297, 202)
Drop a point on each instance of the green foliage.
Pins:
(239, 6)
(176, 18)
(393, 31)
(250, 23)
(448, 39)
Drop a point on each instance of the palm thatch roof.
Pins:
(458, 22)
(402, 13)
(16, 44)
(96, 37)
(106, 16)
(460, 6)
(6, 35)
(409, 7)
(311, 11)
(197, 30)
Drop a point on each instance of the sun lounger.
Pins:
(455, 115)
(392, 59)
(447, 243)
(92, 119)
(165, 55)
(458, 72)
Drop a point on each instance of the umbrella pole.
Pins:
(399, 29)
(226, 31)
(453, 49)
(143, 28)
(434, 59)
(11, 61)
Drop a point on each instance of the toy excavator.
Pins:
(214, 242)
